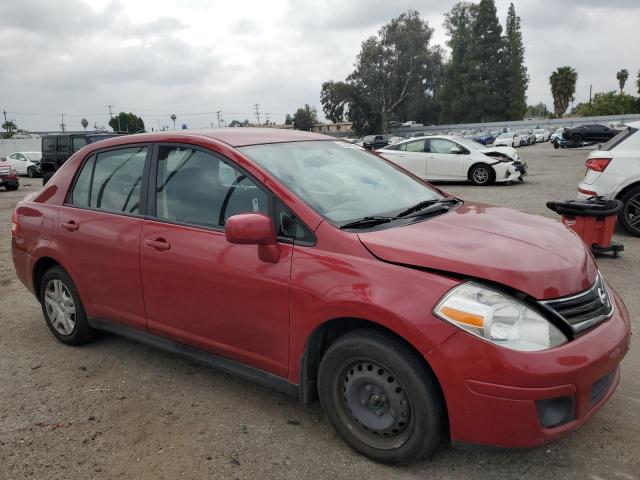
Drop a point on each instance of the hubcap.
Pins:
(377, 401)
(632, 212)
(480, 175)
(60, 307)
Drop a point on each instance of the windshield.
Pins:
(539, 130)
(33, 156)
(340, 181)
(506, 135)
(469, 144)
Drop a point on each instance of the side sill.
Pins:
(219, 363)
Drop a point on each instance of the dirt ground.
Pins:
(117, 409)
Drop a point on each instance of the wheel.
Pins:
(11, 187)
(576, 138)
(482, 174)
(62, 308)
(381, 397)
(513, 144)
(629, 216)
(30, 172)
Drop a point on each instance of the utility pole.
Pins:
(267, 114)
(590, 90)
(109, 107)
(257, 107)
(62, 125)
(218, 115)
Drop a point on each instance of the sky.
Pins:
(195, 57)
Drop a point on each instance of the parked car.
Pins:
(373, 142)
(454, 158)
(527, 137)
(26, 163)
(613, 171)
(542, 134)
(589, 133)
(411, 314)
(411, 123)
(56, 149)
(557, 133)
(509, 139)
(485, 138)
(8, 175)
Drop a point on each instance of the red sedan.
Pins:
(320, 269)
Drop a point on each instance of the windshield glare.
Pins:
(340, 181)
(470, 144)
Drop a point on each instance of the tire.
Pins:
(629, 216)
(364, 378)
(576, 138)
(30, 172)
(57, 293)
(513, 144)
(482, 174)
(10, 188)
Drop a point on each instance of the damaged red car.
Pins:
(322, 270)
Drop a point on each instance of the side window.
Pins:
(111, 181)
(440, 145)
(64, 144)
(198, 188)
(49, 145)
(417, 146)
(289, 226)
(78, 143)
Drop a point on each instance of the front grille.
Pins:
(585, 309)
(5, 171)
(600, 389)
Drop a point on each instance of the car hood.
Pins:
(508, 151)
(533, 254)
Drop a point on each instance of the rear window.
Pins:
(619, 138)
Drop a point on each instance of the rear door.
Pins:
(99, 233)
(411, 156)
(442, 163)
(200, 289)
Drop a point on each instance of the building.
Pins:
(332, 128)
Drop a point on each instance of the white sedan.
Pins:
(509, 139)
(454, 158)
(542, 134)
(26, 163)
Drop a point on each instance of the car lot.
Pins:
(117, 409)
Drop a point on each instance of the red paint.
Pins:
(244, 295)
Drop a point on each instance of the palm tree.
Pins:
(563, 86)
(622, 76)
(173, 117)
(9, 127)
(85, 123)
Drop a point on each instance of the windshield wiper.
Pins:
(427, 203)
(366, 222)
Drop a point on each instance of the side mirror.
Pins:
(455, 150)
(254, 229)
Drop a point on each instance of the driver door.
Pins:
(442, 162)
(199, 289)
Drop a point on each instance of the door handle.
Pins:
(159, 244)
(70, 225)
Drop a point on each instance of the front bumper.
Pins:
(494, 395)
(11, 181)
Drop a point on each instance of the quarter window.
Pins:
(198, 188)
(111, 181)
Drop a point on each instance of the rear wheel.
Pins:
(482, 174)
(576, 138)
(63, 309)
(629, 216)
(381, 397)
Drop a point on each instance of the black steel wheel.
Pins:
(381, 397)
(629, 216)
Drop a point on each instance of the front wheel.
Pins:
(30, 172)
(482, 175)
(629, 216)
(12, 187)
(381, 397)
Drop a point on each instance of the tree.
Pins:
(638, 82)
(391, 64)
(563, 86)
(127, 122)
(304, 118)
(10, 128)
(608, 103)
(516, 79)
(622, 76)
(85, 123)
(173, 119)
(334, 97)
(538, 110)
(288, 119)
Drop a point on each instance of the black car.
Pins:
(373, 142)
(589, 133)
(56, 149)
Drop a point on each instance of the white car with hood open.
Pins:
(445, 157)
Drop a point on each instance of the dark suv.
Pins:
(374, 142)
(56, 149)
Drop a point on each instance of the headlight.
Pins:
(498, 318)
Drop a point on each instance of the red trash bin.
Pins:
(593, 219)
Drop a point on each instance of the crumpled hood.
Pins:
(508, 151)
(533, 254)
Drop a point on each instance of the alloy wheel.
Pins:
(60, 307)
(632, 212)
(481, 175)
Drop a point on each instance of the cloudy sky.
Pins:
(194, 57)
